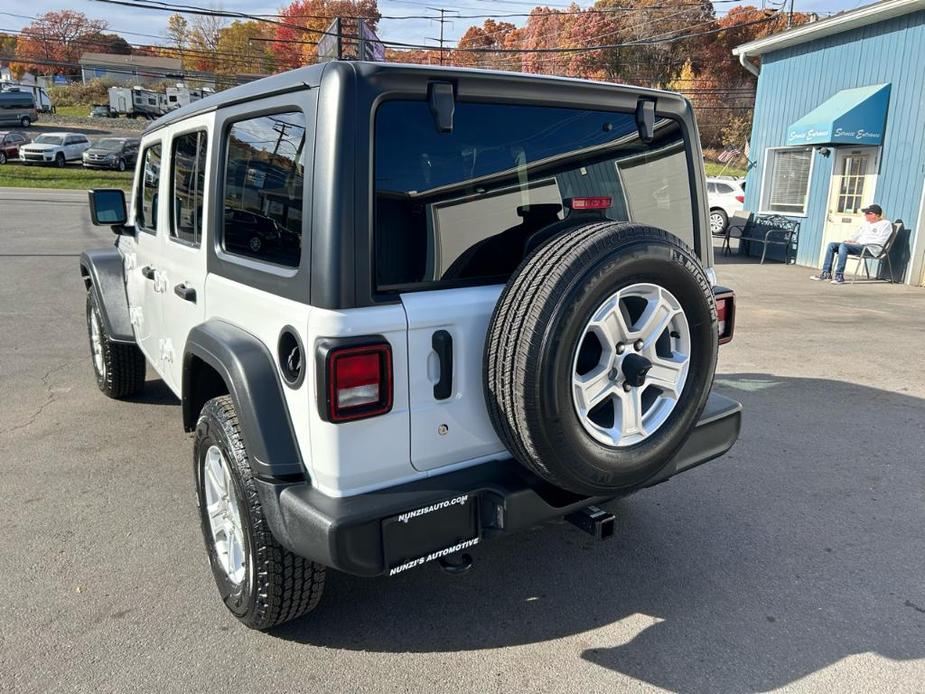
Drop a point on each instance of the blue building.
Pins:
(840, 123)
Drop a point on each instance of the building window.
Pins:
(786, 181)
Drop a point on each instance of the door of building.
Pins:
(854, 181)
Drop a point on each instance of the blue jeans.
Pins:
(842, 249)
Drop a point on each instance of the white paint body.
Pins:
(341, 459)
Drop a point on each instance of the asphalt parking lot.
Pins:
(797, 561)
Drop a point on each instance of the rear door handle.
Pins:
(148, 272)
(185, 292)
(442, 342)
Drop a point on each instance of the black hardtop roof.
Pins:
(311, 76)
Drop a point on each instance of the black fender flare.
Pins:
(249, 372)
(104, 268)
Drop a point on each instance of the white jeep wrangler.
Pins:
(409, 309)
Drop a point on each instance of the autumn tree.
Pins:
(109, 43)
(305, 22)
(178, 36)
(204, 34)
(243, 49)
(491, 35)
(54, 42)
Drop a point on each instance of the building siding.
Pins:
(795, 80)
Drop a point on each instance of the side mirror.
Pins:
(107, 207)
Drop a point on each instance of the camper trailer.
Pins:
(42, 101)
(182, 95)
(136, 102)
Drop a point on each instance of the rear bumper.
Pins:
(349, 534)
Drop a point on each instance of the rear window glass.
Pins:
(264, 175)
(468, 205)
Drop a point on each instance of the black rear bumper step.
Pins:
(358, 535)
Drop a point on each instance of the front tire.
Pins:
(119, 367)
(60, 161)
(25, 121)
(121, 165)
(261, 583)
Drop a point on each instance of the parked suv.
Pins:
(112, 153)
(725, 197)
(488, 302)
(10, 142)
(54, 148)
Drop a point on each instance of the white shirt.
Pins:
(873, 232)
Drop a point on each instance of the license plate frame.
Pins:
(430, 532)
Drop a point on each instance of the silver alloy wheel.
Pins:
(631, 364)
(717, 224)
(96, 343)
(224, 516)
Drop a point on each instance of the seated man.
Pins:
(874, 230)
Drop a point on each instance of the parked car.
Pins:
(54, 148)
(100, 111)
(112, 153)
(417, 375)
(10, 142)
(17, 107)
(726, 196)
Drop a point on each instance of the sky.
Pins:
(148, 24)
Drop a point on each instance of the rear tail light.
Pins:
(725, 314)
(596, 203)
(740, 198)
(358, 382)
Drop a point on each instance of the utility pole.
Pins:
(442, 21)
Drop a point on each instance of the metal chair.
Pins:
(736, 227)
(874, 251)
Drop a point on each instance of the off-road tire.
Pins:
(533, 337)
(278, 585)
(124, 364)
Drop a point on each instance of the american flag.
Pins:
(728, 155)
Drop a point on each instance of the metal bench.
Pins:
(770, 230)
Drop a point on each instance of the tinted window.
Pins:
(189, 174)
(263, 188)
(723, 189)
(150, 179)
(468, 205)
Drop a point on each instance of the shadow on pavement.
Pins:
(155, 392)
(801, 547)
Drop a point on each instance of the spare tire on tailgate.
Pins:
(600, 356)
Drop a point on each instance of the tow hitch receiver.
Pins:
(594, 521)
